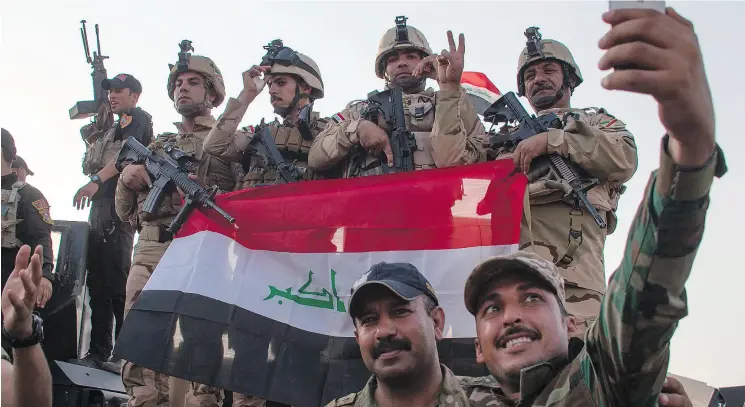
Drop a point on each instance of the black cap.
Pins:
(121, 81)
(402, 278)
(21, 163)
(9, 146)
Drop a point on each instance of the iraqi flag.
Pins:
(481, 90)
(263, 311)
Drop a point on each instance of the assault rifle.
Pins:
(562, 173)
(264, 145)
(167, 172)
(88, 108)
(390, 105)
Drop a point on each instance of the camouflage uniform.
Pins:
(144, 386)
(456, 391)
(600, 144)
(447, 129)
(624, 359)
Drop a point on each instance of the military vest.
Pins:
(604, 196)
(101, 151)
(293, 147)
(210, 170)
(11, 198)
(419, 110)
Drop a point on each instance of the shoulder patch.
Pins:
(347, 400)
(338, 118)
(42, 206)
(611, 123)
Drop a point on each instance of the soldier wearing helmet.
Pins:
(445, 125)
(294, 82)
(195, 85)
(596, 141)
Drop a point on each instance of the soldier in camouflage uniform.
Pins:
(595, 141)
(195, 91)
(292, 87)
(398, 322)
(446, 127)
(524, 330)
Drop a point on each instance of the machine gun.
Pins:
(263, 144)
(390, 105)
(87, 108)
(168, 172)
(562, 173)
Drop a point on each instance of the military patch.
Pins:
(612, 124)
(121, 77)
(338, 118)
(42, 206)
(125, 120)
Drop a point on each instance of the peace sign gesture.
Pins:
(450, 63)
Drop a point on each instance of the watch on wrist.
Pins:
(96, 179)
(37, 334)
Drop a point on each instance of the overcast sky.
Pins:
(44, 72)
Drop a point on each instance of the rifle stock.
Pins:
(562, 173)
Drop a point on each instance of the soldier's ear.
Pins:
(479, 353)
(571, 324)
(438, 318)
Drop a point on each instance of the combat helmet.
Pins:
(399, 37)
(285, 60)
(199, 64)
(538, 49)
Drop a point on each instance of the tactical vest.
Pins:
(101, 151)
(294, 149)
(210, 170)
(11, 198)
(419, 110)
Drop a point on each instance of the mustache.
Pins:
(390, 345)
(542, 87)
(513, 330)
(273, 98)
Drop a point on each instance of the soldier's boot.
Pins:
(145, 387)
(202, 395)
(584, 305)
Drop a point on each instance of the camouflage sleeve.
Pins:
(38, 229)
(602, 146)
(335, 141)
(458, 136)
(225, 141)
(125, 201)
(627, 349)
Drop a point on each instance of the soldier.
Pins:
(398, 322)
(109, 239)
(20, 168)
(446, 127)
(519, 303)
(26, 221)
(594, 140)
(196, 86)
(294, 82)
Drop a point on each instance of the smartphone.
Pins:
(658, 5)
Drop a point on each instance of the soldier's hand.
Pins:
(673, 394)
(45, 293)
(20, 292)
(84, 195)
(135, 177)
(375, 140)
(529, 149)
(666, 48)
(427, 68)
(450, 64)
(253, 83)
